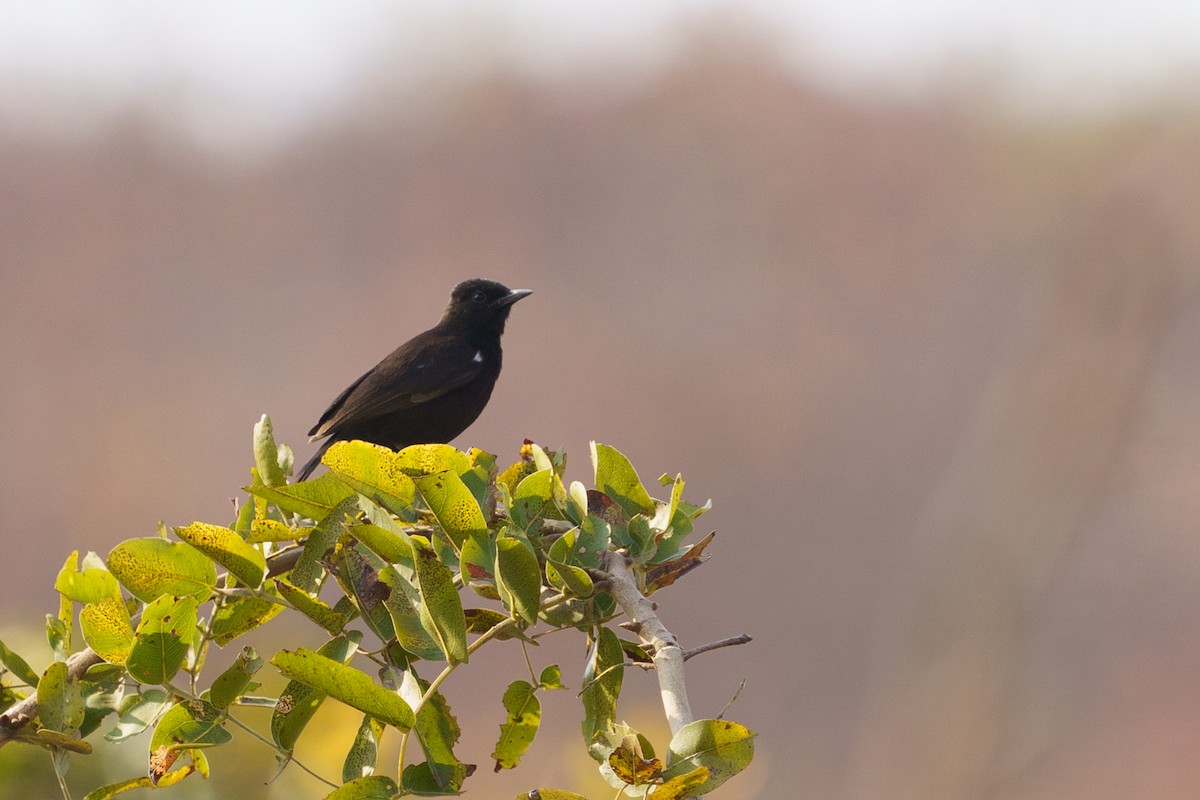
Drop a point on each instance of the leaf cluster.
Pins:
(409, 562)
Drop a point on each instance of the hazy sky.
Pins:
(264, 66)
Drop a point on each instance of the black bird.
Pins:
(434, 385)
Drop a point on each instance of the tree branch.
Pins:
(20, 715)
(659, 642)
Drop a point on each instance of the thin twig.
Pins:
(730, 642)
(733, 699)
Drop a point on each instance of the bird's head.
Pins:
(482, 304)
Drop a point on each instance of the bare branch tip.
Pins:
(729, 642)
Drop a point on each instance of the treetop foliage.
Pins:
(409, 562)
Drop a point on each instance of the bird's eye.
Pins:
(479, 297)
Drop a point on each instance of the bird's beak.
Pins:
(513, 296)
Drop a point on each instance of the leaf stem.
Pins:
(533, 678)
(62, 778)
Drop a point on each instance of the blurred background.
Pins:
(909, 290)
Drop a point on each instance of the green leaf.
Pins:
(107, 629)
(441, 607)
(53, 740)
(478, 561)
(642, 545)
(482, 620)
(372, 787)
(724, 747)
(456, 509)
(585, 546)
(267, 454)
(677, 485)
(307, 573)
(9, 695)
(63, 630)
(60, 700)
(533, 500)
(591, 543)
(602, 680)
(519, 578)
(681, 525)
(121, 787)
(561, 569)
(551, 678)
(272, 530)
(567, 578)
(511, 475)
(374, 471)
(58, 634)
(166, 630)
(419, 780)
(482, 458)
(137, 713)
(224, 546)
(575, 613)
(242, 615)
(550, 794)
(248, 512)
(482, 489)
(18, 666)
(391, 546)
(358, 575)
(188, 725)
(344, 683)
(299, 701)
(364, 750)
(230, 684)
(438, 732)
(520, 726)
(150, 567)
(313, 499)
(672, 523)
(198, 765)
(103, 693)
(683, 786)
(86, 586)
(426, 459)
(404, 605)
(617, 478)
(311, 606)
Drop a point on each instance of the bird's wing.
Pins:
(426, 367)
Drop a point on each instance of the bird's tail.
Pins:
(313, 462)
